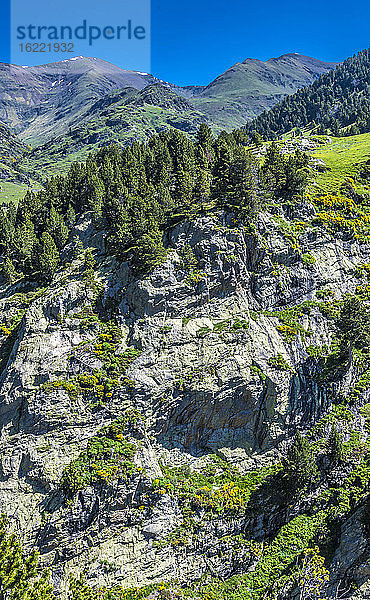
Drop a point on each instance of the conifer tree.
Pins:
(273, 167)
(89, 260)
(25, 240)
(93, 191)
(205, 142)
(8, 271)
(6, 231)
(256, 138)
(188, 259)
(70, 219)
(48, 259)
(57, 228)
(19, 578)
(148, 252)
(221, 175)
(299, 465)
(78, 247)
(242, 194)
(335, 447)
(353, 322)
(202, 188)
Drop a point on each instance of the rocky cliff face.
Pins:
(215, 368)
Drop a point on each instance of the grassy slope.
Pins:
(135, 124)
(342, 157)
(12, 191)
(11, 147)
(121, 118)
(13, 185)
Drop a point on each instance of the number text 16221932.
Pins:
(42, 47)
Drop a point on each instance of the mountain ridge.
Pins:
(52, 96)
(338, 103)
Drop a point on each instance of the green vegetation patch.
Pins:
(308, 259)
(219, 488)
(225, 326)
(278, 362)
(289, 325)
(343, 158)
(108, 456)
(97, 386)
(338, 213)
(12, 192)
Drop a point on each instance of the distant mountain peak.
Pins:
(336, 104)
(306, 60)
(294, 55)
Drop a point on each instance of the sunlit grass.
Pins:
(341, 157)
(12, 192)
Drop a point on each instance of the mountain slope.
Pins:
(11, 147)
(41, 102)
(120, 117)
(339, 103)
(184, 392)
(248, 88)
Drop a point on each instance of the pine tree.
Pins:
(70, 219)
(78, 247)
(93, 190)
(183, 157)
(296, 176)
(205, 142)
(24, 242)
(6, 231)
(57, 228)
(188, 259)
(49, 257)
(353, 325)
(202, 188)
(148, 252)
(299, 465)
(19, 578)
(8, 271)
(221, 174)
(89, 260)
(273, 168)
(256, 138)
(335, 447)
(242, 195)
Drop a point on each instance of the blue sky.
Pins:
(196, 40)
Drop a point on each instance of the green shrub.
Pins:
(219, 488)
(335, 447)
(108, 457)
(299, 465)
(278, 362)
(308, 259)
